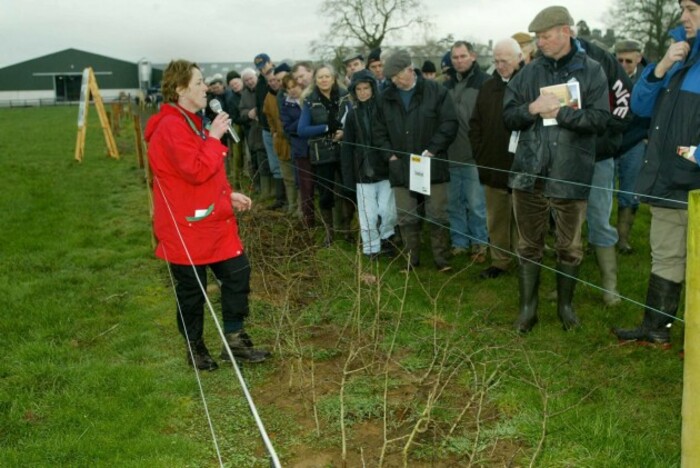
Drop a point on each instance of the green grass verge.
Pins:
(94, 372)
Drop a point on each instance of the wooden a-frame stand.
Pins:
(89, 88)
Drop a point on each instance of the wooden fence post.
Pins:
(690, 439)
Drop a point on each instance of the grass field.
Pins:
(370, 364)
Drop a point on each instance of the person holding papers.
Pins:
(416, 119)
(668, 92)
(554, 156)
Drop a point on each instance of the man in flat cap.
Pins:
(416, 116)
(631, 153)
(353, 63)
(669, 93)
(527, 45)
(556, 140)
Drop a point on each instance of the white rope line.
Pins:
(508, 171)
(274, 460)
(514, 254)
(194, 365)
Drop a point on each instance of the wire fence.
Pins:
(341, 193)
(274, 461)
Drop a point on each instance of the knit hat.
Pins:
(396, 62)
(428, 67)
(231, 75)
(446, 62)
(549, 18)
(282, 67)
(374, 56)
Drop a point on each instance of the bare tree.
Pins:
(368, 23)
(647, 21)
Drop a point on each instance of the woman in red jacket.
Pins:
(193, 218)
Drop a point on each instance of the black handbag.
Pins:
(324, 151)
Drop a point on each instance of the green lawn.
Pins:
(94, 371)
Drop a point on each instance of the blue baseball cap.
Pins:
(261, 60)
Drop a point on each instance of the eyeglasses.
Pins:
(626, 60)
(501, 62)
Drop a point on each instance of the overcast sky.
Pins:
(230, 31)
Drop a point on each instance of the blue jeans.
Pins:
(628, 167)
(466, 207)
(272, 158)
(600, 232)
(375, 202)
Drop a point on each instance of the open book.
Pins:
(569, 94)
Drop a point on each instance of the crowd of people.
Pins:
(537, 146)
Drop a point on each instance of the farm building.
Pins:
(56, 78)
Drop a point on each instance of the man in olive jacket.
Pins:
(416, 116)
(553, 164)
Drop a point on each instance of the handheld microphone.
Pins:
(215, 106)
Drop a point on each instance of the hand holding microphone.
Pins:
(215, 106)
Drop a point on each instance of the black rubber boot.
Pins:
(662, 295)
(440, 244)
(566, 284)
(410, 233)
(200, 356)
(280, 197)
(528, 285)
(242, 348)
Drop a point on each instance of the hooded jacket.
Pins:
(191, 194)
(673, 103)
(563, 153)
(359, 162)
(430, 123)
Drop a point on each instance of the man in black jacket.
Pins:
(416, 116)
(555, 147)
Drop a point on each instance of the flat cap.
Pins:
(549, 18)
(396, 62)
(354, 56)
(217, 78)
(522, 38)
(628, 45)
